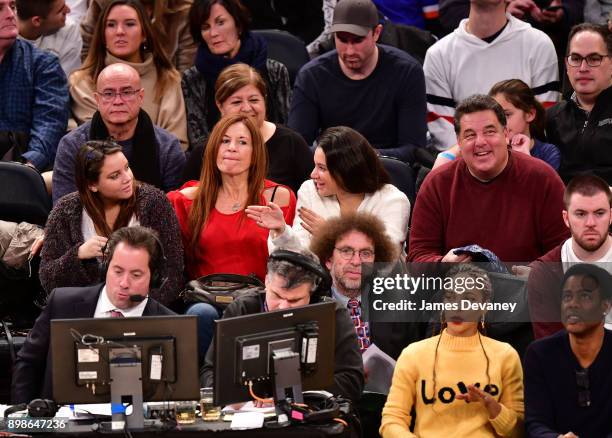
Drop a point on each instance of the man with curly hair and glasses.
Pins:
(343, 245)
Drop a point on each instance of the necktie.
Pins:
(362, 328)
(116, 314)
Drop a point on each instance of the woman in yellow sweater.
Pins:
(460, 383)
(124, 33)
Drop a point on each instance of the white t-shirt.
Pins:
(66, 44)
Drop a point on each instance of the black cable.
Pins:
(9, 340)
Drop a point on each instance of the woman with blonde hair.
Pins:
(124, 34)
(240, 89)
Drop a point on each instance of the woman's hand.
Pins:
(310, 220)
(37, 245)
(521, 143)
(268, 216)
(476, 394)
(92, 248)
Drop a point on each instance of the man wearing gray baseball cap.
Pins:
(375, 89)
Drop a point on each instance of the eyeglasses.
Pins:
(126, 95)
(347, 253)
(592, 60)
(584, 393)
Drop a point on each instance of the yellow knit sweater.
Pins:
(460, 362)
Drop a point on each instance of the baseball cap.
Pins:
(354, 16)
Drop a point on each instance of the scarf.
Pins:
(144, 159)
(253, 51)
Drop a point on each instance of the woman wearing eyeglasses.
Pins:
(347, 177)
(108, 198)
(124, 34)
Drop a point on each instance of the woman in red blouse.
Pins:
(217, 234)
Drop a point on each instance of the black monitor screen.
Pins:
(167, 346)
(244, 347)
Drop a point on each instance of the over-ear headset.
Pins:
(36, 408)
(295, 258)
(157, 279)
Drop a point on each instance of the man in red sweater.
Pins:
(588, 215)
(506, 202)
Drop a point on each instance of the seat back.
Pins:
(285, 48)
(401, 175)
(23, 195)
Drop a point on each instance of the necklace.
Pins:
(236, 206)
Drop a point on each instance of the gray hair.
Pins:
(295, 275)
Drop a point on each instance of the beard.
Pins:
(347, 287)
(590, 245)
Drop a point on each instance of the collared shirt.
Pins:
(34, 100)
(342, 299)
(104, 307)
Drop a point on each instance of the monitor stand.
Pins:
(126, 387)
(287, 380)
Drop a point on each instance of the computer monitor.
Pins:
(104, 360)
(275, 350)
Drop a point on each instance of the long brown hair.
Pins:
(160, 9)
(96, 57)
(521, 96)
(210, 177)
(88, 165)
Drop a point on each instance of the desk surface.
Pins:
(216, 429)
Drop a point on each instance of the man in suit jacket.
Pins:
(134, 257)
(343, 244)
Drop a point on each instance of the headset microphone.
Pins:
(137, 298)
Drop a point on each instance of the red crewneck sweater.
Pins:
(517, 215)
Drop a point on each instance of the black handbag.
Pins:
(220, 290)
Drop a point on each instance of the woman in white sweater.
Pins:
(347, 177)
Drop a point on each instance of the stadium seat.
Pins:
(286, 48)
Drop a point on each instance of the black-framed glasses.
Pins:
(126, 95)
(347, 253)
(584, 392)
(592, 60)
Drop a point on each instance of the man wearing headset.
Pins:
(294, 279)
(134, 257)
